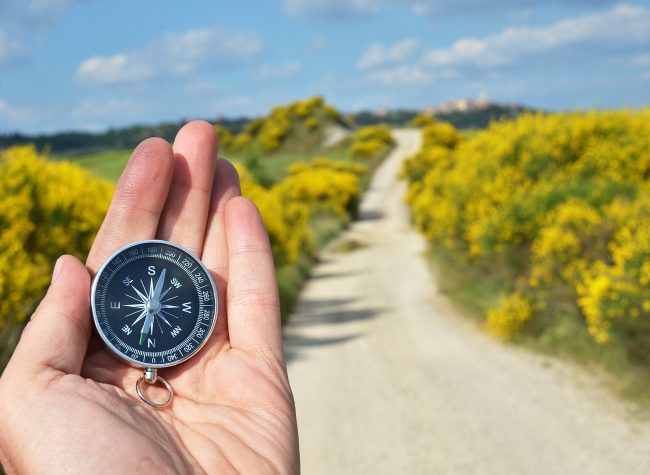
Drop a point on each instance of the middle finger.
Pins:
(183, 220)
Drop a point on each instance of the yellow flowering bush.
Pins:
(423, 120)
(513, 313)
(307, 107)
(332, 113)
(240, 142)
(320, 185)
(47, 209)
(311, 123)
(302, 212)
(286, 223)
(274, 129)
(226, 138)
(269, 134)
(561, 203)
(320, 163)
(321, 189)
(438, 140)
(371, 142)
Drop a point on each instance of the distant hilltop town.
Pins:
(462, 105)
(462, 113)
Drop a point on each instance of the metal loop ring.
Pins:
(152, 403)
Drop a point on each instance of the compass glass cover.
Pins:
(154, 303)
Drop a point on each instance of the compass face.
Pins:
(154, 303)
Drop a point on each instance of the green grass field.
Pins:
(474, 290)
(108, 164)
(267, 169)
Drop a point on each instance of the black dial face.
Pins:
(154, 303)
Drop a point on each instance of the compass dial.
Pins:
(154, 303)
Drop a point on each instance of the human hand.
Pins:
(67, 405)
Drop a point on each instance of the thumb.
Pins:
(57, 335)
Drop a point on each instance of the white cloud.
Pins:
(402, 75)
(345, 9)
(9, 48)
(201, 86)
(17, 115)
(7, 111)
(641, 60)
(317, 43)
(331, 9)
(34, 12)
(92, 109)
(24, 22)
(379, 55)
(48, 9)
(172, 55)
(274, 72)
(612, 33)
(622, 25)
(120, 68)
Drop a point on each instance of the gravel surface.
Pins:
(388, 379)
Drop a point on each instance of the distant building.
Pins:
(466, 105)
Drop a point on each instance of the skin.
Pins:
(67, 405)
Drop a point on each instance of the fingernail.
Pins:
(57, 269)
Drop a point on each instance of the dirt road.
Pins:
(388, 379)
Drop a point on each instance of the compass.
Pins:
(155, 305)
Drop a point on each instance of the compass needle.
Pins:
(145, 327)
(159, 285)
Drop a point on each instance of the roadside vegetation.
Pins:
(541, 227)
(46, 209)
(306, 194)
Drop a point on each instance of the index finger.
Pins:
(138, 201)
(252, 293)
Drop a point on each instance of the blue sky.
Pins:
(92, 64)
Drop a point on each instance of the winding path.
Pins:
(388, 379)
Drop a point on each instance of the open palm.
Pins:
(69, 406)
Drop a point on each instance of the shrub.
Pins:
(379, 133)
(226, 137)
(269, 134)
(371, 142)
(321, 185)
(326, 163)
(46, 209)
(423, 120)
(322, 189)
(286, 223)
(567, 193)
